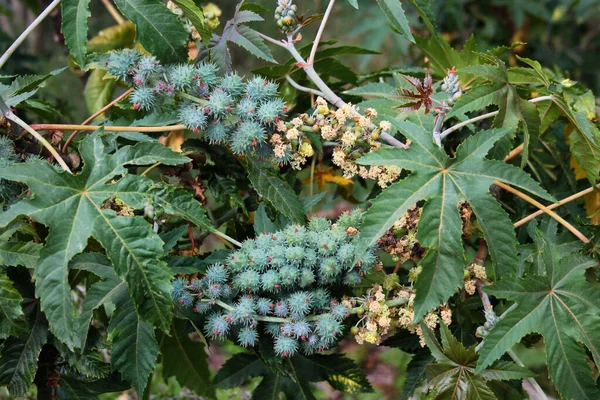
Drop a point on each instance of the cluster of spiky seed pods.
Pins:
(282, 284)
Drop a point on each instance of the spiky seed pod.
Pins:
(206, 75)
(192, 117)
(179, 288)
(247, 337)
(217, 326)
(288, 275)
(202, 307)
(270, 281)
(142, 98)
(148, 65)
(302, 329)
(217, 133)
(328, 329)
(285, 346)
(216, 273)
(232, 84)
(258, 259)
(247, 136)
(339, 311)
(277, 255)
(246, 109)
(247, 281)
(307, 277)
(281, 309)
(264, 306)
(299, 303)
(287, 329)
(295, 235)
(181, 76)
(272, 329)
(120, 63)
(260, 89)
(214, 291)
(196, 285)
(346, 254)
(319, 224)
(270, 110)
(219, 104)
(320, 298)
(294, 255)
(352, 278)
(310, 258)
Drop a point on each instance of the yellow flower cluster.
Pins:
(473, 273)
(378, 318)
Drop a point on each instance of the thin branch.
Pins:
(386, 137)
(545, 209)
(224, 236)
(531, 381)
(26, 32)
(555, 205)
(113, 11)
(484, 116)
(514, 152)
(313, 51)
(270, 39)
(11, 116)
(93, 116)
(303, 88)
(68, 127)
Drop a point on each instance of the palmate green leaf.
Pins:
(134, 348)
(72, 207)
(110, 288)
(393, 10)
(186, 361)
(278, 192)
(19, 253)
(416, 372)
(23, 87)
(12, 322)
(512, 108)
(443, 182)
(158, 29)
(564, 308)
(19, 357)
(245, 37)
(454, 376)
(75, 14)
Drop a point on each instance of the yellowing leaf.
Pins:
(325, 175)
(592, 207)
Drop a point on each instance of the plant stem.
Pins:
(555, 205)
(312, 74)
(531, 381)
(303, 88)
(545, 209)
(484, 116)
(313, 51)
(26, 32)
(93, 116)
(194, 98)
(113, 12)
(386, 137)
(514, 152)
(11, 116)
(270, 39)
(224, 236)
(68, 127)
(312, 175)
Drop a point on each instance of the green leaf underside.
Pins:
(158, 29)
(563, 307)
(267, 184)
(134, 349)
(186, 361)
(19, 357)
(393, 10)
(443, 182)
(72, 207)
(12, 322)
(196, 16)
(75, 14)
